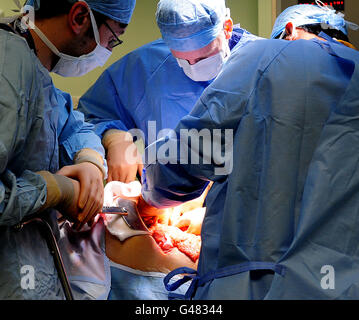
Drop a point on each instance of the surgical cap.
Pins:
(118, 10)
(305, 14)
(188, 25)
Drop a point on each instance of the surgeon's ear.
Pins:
(228, 28)
(290, 31)
(79, 17)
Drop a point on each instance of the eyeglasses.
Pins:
(115, 42)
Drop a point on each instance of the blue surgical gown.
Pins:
(146, 85)
(288, 209)
(39, 131)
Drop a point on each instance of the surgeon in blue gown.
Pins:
(304, 21)
(282, 219)
(41, 133)
(153, 87)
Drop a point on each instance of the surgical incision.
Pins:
(178, 227)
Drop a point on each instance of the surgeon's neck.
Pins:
(54, 32)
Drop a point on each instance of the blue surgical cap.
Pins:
(188, 25)
(118, 10)
(305, 14)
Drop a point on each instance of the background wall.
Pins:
(140, 31)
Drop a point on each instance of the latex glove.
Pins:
(123, 158)
(62, 194)
(192, 221)
(92, 156)
(91, 196)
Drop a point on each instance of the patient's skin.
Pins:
(142, 253)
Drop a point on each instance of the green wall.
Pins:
(142, 30)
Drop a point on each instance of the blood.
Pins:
(169, 237)
(163, 240)
(166, 236)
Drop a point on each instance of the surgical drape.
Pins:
(276, 216)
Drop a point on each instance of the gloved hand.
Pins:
(91, 195)
(123, 158)
(62, 194)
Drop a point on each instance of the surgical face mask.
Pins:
(206, 69)
(69, 66)
(283, 35)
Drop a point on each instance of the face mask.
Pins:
(69, 66)
(283, 35)
(206, 69)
